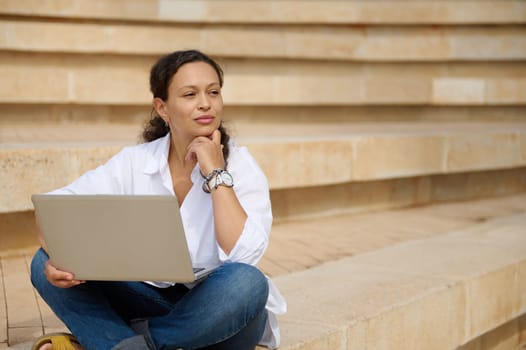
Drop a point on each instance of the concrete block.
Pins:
(125, 85)
(405, 44)
(235, 42)
(215, 11)
(25, 172)
(336, 43)
(241, 90)
(494, 299)
(49, 36)
(482, 151)
(498, 43)
(46, 84)
(304, 163)
(422, 323)
(506, 91)
(458, 91)
(152, 40)
(397, 91)
(71, 79)
(390, 157)
(317, 310)
(319, 90)
(123, 9)
(357, 336)
(459, 12)
(328, 11)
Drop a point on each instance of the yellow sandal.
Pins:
(58, 341)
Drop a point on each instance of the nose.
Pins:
(203, 102)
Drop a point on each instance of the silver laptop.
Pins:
(117, 237)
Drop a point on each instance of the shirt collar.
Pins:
(159, 155)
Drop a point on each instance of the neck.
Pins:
(177, 153)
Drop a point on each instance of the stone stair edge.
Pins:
(427, 298)
(326, 12)
(319, 85)
(335, 159)
(340, 43)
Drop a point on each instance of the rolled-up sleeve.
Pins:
(252, 190)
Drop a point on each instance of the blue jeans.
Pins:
(226, 310)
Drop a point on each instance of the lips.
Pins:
(205, 119)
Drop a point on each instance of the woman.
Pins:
(225, 208)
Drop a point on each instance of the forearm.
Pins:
(229, 217)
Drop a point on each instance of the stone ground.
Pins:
(294, 246)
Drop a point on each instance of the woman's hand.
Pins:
(208, 151)
(58, 278)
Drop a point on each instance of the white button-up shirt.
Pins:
(143, 169)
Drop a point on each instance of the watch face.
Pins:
(227, 179)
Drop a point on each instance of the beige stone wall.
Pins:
(75, 56)
(332, 97)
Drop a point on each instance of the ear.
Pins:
(160, 108)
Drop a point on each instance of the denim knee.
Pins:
(37, 267)
(248, 283)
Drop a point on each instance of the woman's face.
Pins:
(194, 106)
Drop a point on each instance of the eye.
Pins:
(189, 94)
(214, 92)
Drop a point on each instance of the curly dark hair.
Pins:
(161, 76)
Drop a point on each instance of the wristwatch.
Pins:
(217, 177)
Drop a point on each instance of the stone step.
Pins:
(393, 279)
(123, 81)
(463, 12)
(42, 114)
(292, 156)
(301, 244)
(434, 293)
(345, 43)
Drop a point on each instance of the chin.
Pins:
(206, 131)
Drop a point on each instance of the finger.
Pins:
(216, 137)
(67, 284)
(190, 150)
(53, 273)
(189, 155)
